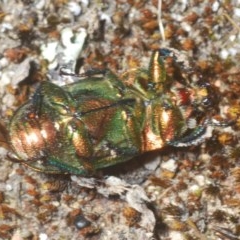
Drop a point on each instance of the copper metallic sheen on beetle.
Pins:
(102, 121)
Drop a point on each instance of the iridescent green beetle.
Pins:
(102, 121)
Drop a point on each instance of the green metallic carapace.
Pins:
(102, 121)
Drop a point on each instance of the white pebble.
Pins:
(43, 236)
(176, 235)
(3, 62)
(232, 38)
(6, 26)
(224, 54)
(5, 79)
(55, 203)
(74, 8)
(236, 11)
(215, 6)
(205, 157)
(200, 180)
(194, 188)
(72, 49)
(152, 165)
(233, 51)
(8, 187)
(40, 4)
(170, 165)
(177, 17)
(85, 2)
(107, 18)
(187, 27)
(49, 51)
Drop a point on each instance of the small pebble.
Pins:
(43, 236)
(215, 6)
(40, 4)
(224, 54)
(49, 51)
(8, 187)
(74, 8)
(81, 222)
(236, 11)
(85, 2)
(170, 165)
(200, 180)
(3, 62)
(194, 188)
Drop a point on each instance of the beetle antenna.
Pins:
(160, 24)
(88, 73)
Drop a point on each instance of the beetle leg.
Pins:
(196, 137)
(222, 123)
(157, 71)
